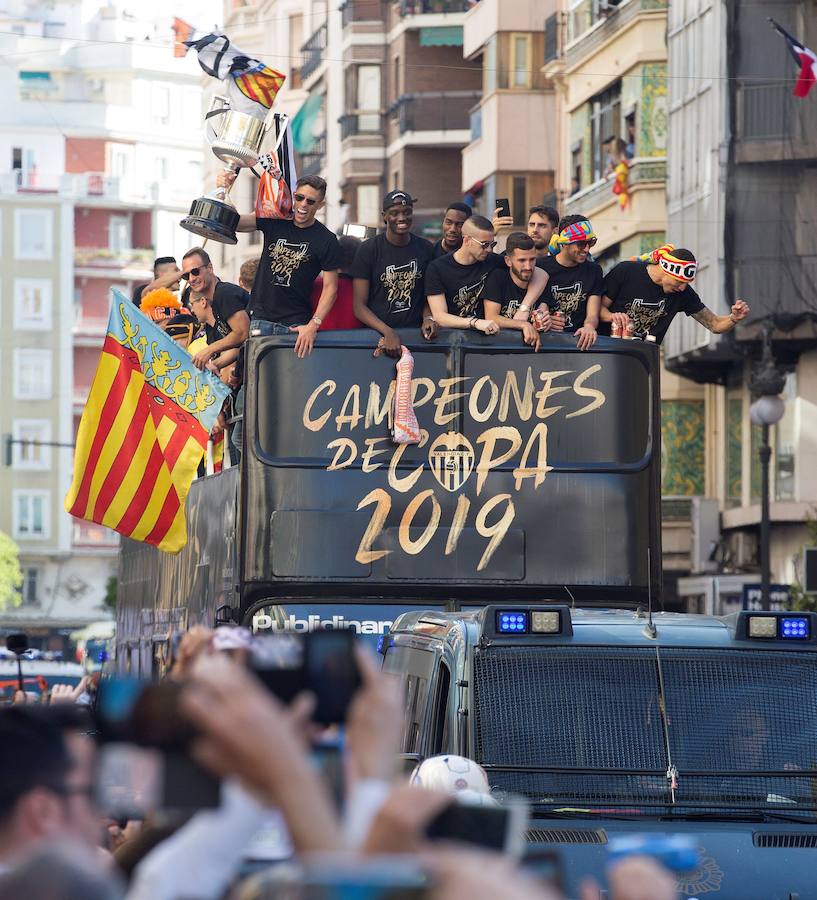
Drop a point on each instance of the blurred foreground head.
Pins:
(60, 872)
(451, 774)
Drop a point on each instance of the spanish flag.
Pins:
(143, 432)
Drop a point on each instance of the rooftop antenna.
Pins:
(571, 597)
(649, 630)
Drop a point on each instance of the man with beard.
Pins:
(506, 287)
(455, 283)
(575, 283)
(649, 296)
(455, 216)
(542, 222)
(389, 274)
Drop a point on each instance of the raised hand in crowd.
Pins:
(401, 822)
(247, 733)
(501, 221)
(636, 878)
(480, 875)
(69, 693)
(195, 642)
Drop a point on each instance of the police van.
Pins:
(614, 722)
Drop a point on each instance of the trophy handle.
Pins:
(277, 121)
(212, 112)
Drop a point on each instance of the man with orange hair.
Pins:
(648, 297)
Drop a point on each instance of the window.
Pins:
(368, 98)
(160, 106)
(576, 159)
(32, 233)
(415, 667)
(296, 39)
(30, 587)
(120, 161)
(605, 127)
(160, 168)
(489, 81)
(32, 303)
(31, 454)
(31, 510)
(32, 375)
(396, 77)
(368, 197)
(785, 438)
(119, 233)
(440, 724)
(521, 64)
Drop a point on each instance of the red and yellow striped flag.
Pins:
(260, 84)
(143, 432)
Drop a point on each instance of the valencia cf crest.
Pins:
(451, 458)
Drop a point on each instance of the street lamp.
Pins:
(766, 384)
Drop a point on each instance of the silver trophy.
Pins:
(237, 143)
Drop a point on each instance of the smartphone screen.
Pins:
(331, 673)
(485, 826)
(504, 205)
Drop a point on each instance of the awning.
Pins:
(442, 36)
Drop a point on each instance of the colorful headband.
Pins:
(682, 269)
(578, 231)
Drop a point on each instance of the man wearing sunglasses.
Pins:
(389, 274)
(221, 307)
(295, 252)
(575, 282)
(455, 283)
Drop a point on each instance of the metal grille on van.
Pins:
(566, 836)
(787, 840)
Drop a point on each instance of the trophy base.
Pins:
(212, 219)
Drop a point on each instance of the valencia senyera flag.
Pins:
(143, 432)
(806, 60)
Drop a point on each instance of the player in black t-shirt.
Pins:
(219, 305)
(575, 283)
(649, 294)
(455, 283)
(506, 287)
(295, 252)
(389, 275)
(453, 220)
(165, 275)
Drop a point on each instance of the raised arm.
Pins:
(246, 221)
(720, 324)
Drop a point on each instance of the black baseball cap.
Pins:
(398, 198)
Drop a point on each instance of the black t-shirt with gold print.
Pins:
(291, 260)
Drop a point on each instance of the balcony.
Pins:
(109, 261)
(430, 7)
(592, 22)
(312, 162)
(97, 186)
(436, 111)
(645, 170)
(362, 11)
(774, 125)
(363, 124)
(312, 52)
(89, 536)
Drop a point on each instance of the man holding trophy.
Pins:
(295, 252)
(297, 248)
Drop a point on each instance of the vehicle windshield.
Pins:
(649, 732)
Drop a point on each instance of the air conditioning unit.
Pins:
(706, 532)
(744, 549)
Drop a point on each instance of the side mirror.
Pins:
(17, 643)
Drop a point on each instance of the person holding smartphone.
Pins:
(295, 252)
(575, 282)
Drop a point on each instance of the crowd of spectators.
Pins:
(282, 824)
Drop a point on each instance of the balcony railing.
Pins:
(312, 162)
(594, 21)
(361, 123)
(312, 52)
(423, 7)
(362, 11)
(770, 112)
(643, 170)
(103, 257)
(554, 37)
(435, 111)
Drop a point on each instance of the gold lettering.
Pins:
(365, 554)
(406, 483)
(414, 547)
(316, 424)
(342, 444)
(539, 437)
(428, 384)
(460, 515)
(375, 411)
(547, 390)
(348, 416)
(497, 531)
(524, 403)
(473, 398)
(489, 439)
(440, 416)
(597, 395)
(369, 453)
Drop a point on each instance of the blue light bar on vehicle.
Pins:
(795, 628)
(514, 621)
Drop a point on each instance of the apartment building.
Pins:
(513, 150)
(742, 191)
(408, 97)
(100, 156)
